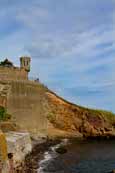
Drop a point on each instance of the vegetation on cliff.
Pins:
(3, 114)
(70, 117)
(107, 115)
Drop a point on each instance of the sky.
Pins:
(71, 43)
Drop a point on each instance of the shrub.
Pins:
(3, 114)
(51, 117)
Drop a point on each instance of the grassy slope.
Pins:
(70, 117)
(107, 115)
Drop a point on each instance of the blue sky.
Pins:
(71, 42)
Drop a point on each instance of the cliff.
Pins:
(37, 109)
(77, 119)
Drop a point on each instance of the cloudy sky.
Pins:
(71, 42)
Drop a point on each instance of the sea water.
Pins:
(81, 157)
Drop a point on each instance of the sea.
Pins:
(81, 157)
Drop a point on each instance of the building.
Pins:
(23, 99)
(10, 72)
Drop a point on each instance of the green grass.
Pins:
(51, 117)
(107, 115)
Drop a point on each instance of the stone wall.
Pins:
(26, 103)
(3, 101)
(4, 91)
(13, 73)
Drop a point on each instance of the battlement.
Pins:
(9, 72)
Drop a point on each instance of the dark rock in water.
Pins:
(113, 171)
(61, 150)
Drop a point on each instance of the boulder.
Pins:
(61, 150)
(113, 171)
(19, 144)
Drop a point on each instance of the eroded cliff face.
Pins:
(72, 118)
(35, 108)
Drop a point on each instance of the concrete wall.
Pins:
(13, 73)
(26, 103)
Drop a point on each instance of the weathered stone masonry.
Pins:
(10, 72)
(22, 98)
(13, 73)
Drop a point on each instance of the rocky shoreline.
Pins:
(31, 163)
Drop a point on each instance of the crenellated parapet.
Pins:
(13, 73)
(9, 72)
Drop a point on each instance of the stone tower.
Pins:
(25, 63)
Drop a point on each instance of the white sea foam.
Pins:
(49, 156)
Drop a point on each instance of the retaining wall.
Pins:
(26, 103)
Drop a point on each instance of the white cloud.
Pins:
(69, 45)
(32, 16)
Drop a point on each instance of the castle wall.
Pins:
(13, 73)
(3, 101)
(26, 104)
(3, 95)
